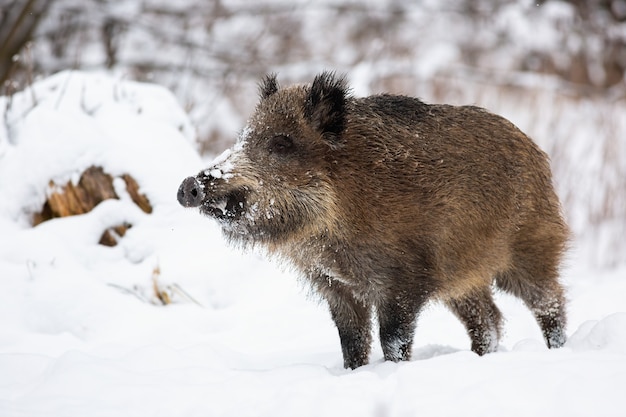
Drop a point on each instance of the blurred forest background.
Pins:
(555, 68)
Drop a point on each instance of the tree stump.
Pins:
(93, 187)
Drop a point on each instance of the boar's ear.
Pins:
(268, 86)
(325, 104)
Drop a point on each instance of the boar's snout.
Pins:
(190, 193)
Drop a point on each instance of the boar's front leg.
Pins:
(352, 317)
(397, 316)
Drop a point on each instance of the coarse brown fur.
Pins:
(385, 202)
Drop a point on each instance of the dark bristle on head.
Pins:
(326, 102)
(268, 86)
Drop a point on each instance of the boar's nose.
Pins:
(190, 193)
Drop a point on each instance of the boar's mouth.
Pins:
(229, 206)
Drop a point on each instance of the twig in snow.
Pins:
(178, 290)
(133, 291)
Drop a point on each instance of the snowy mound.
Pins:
(62, 125)
(84, 332)
(59, 127)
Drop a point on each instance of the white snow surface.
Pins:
(83, 333)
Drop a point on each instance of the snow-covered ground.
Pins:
(83, 334)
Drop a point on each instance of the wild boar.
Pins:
(384, 203)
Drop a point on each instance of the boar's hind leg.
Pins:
(549, 310)
(353, 320)
(545, 301)
(534, 274)
(481, 318)
(397, 318)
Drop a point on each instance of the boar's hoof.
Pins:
(190, 193)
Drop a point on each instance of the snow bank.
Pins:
(608, 334)
(83, 333)
(57, 128)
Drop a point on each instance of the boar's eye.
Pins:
(281, 145)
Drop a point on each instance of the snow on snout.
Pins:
(222, 166)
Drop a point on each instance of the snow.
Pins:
(83, 333)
